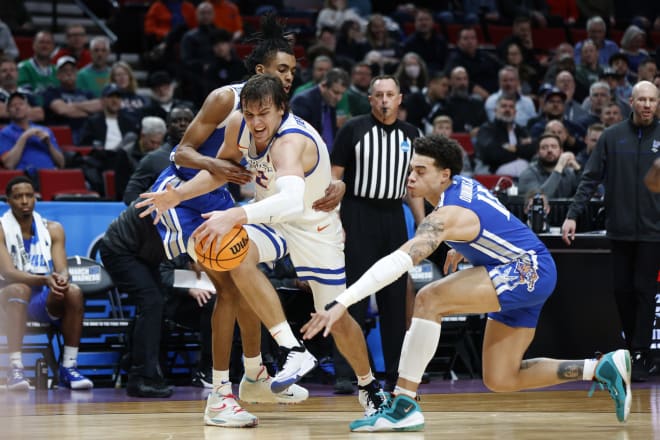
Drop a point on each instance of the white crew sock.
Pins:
(69, 357)
(16, 359)
(589, 369)
(254, 368)
(366, 379)
(283, 335)
(221, 382)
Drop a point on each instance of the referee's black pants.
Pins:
(373, 230)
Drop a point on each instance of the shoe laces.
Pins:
(73, 372)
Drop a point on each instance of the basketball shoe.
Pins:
(372, 397)
(223, 410)
(16, 380)
(71, 378)
(613, 372)
(298, 362)
(403, 414)
(259, 391)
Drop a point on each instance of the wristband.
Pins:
(330, 305)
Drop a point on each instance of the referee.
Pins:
(371, 154)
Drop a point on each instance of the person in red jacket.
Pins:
(164, 16)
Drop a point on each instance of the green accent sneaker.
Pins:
(613, 372)
(403, 414)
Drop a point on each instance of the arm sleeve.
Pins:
(286, 204)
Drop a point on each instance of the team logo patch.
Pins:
(656, 146)
(405, 146)
(527, 274)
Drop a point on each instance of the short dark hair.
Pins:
(381, 77)
(546, 135)
(446, 152)
(336, 75)
(15, 181)
(261, 87)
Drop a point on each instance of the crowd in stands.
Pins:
(480, 71)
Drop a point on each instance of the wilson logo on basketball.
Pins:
(238, 247)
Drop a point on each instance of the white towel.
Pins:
(37, 259)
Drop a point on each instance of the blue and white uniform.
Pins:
(314, 240)
(178, 224)
(520, 266)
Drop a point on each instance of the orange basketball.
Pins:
(227, 254)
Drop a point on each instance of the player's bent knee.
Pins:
(426, 304)
(499, 383)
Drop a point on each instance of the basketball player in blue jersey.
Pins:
(512, 276)
(292, 170)
(197, 151)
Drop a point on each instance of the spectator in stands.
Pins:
(9, 85)
(589, 70)
(481, 67)
(335, 12)
(15, 14)
(573, 110)
(321, 65)
(613, 79)
(424, 106)
(591, 139)
(197, 52)
(633, 43)
(599, 97)
(8, 46)
(528, 76)
(24, 145)
(611, 114)
(596, 30)
(32, 253)
(502, 146)
(225, 67)
(412, 73)
(444, 125)
(122, 75)
(357, 95)
(38, 73)
(510, 85)
(521, 33)
(381, 41)
(351, 43)
(647, 70)
(76, 46)
(565, 9)
(553, 108)
(96, 75)
(66, 104)
(568, 141)
(153, 163)
(427, 42)
(318, 105)
(555, 171)
(537, 10)
(228, 17)
(623, 87)
(467, 111)
(162, 99)
(163, 17)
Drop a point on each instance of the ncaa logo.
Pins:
(405, 146)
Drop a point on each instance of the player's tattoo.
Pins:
(528, 363)
(570, 370)
(427, 238)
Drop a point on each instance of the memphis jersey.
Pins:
(212, 144)
(502, 238)
(316, 180)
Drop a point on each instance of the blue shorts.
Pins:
(36, 309)
(522, 288)
(177, 224)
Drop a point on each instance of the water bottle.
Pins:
(538, 213)
(41, 374)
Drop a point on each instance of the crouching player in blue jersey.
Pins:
(513, 274)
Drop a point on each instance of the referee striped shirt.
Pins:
(375, 157)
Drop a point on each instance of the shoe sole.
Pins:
(247, 424)
(414, 422)
(622, 361)
(23, 386)
(279, 385)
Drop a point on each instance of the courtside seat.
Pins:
(62, 133)
(64, 184)
(466, 142)
(5, 177)
(490, 181)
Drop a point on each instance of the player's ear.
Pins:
(260, 69)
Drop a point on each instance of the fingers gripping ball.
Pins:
(226, 254)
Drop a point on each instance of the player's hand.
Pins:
(232, 171)
(333, 195)
(217, 224)
(55, 285)
(568, 231)
(200, 295)
(452, 260)
(323, 319)
(158, 202)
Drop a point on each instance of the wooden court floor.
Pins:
(550, 414)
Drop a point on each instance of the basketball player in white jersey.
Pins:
(292, 170)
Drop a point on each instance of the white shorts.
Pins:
(316, 251)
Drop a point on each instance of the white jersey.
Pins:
(316, 180)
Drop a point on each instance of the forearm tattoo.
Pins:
(427, 238)
(570, 370)
(529, 363)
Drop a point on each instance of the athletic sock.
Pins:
(589, 369)
(253, 368)
(69, 356)
(283, 335)
(221, 382)
(366, 379)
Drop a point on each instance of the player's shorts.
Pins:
(316, 251)
(36, 309)
(177, 224)
(522, 288)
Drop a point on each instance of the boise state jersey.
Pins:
(316, 180)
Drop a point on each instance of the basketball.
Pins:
(227, 254)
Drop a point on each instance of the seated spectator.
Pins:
(424, 106)
(122, 75)
(38, 73)
(351, 43)
(528, 76)
(633, 43)
(599, 97)
(565, 81)
(596, 31)
(521, 34)
(426, 42)
(568, 141)
(591, 139)
(163, 17)
(228, 17)
(357, 95)
(589, 70)
(225, 67)
(510, 85)
(555, 171)
(502, 146)
(443, 125)
(9, 85)
(380, 40)
(412, 73)
(553, 108)
(611, 114)
(76, 46)
(467, 111)
(66, 104)
(321, 65)
(623, 87)
(8, 46)
(647, 70)
(335, 13)
(162, 99)
(613, 79)
(32, 253)
(96, 75)
(24, 145)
